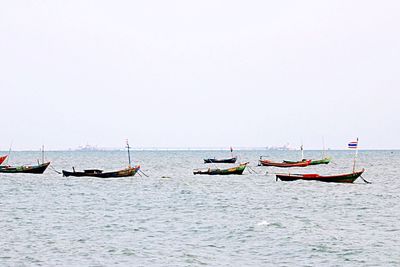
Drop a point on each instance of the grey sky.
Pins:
(199, 73)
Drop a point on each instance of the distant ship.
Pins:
(280, 148)
(88, 148)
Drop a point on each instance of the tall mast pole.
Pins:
(42, 154)
(302, 152)
(129, 153)
(9, 153)
(355, 157)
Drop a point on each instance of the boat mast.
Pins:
(323, 147)
(355, 157)
(42, 154)
(302, 152)
(129, 153)
(9, 153)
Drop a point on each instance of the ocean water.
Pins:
(173, 218)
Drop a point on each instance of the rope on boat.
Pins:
(365, 181)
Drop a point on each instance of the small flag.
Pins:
(353, 144)
(231, 149)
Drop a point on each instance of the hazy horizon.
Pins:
(199, 74)
(111, 149)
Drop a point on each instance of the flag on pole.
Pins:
(353, 144)
(231, 149)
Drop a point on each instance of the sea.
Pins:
(170, 217)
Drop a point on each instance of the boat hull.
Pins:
(231, 171)
(341, 178)
(115, 174)
(320, 161)
(285, 164)
(39, 169)
(230, 160)
(312, 162)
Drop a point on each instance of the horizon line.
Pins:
(193, 149)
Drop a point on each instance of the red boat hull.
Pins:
(341, 178)
(285, 164)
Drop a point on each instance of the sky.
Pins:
(192, 74)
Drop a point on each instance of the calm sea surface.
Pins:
(173, 218)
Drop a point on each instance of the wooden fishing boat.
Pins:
(340, 178)
(2, 159)
(130, 171)
(313, 161)
(238, 170)
(320, 161)
(227, 160)
(35, 169)
(294, 161)
(284, 164)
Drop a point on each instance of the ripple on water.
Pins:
(248, 220)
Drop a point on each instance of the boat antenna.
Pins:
(232, 152)
(129, 153)
(323, 147)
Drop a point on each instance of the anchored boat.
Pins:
(35, 169)
(324, 160)
(339, 178)
(232, 159)
(320, 161)
(284, 164)
(312, 161)
(130, 171)
(216, 171)
(227, 160)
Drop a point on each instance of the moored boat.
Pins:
(320, 161)
(238, 170)
(2, 159)
(270, 163)
(312, 161)
(130, 171)
(232, 159)
(34, 169)
(227, 160)
(339, 178)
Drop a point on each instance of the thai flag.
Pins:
(353, 144)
